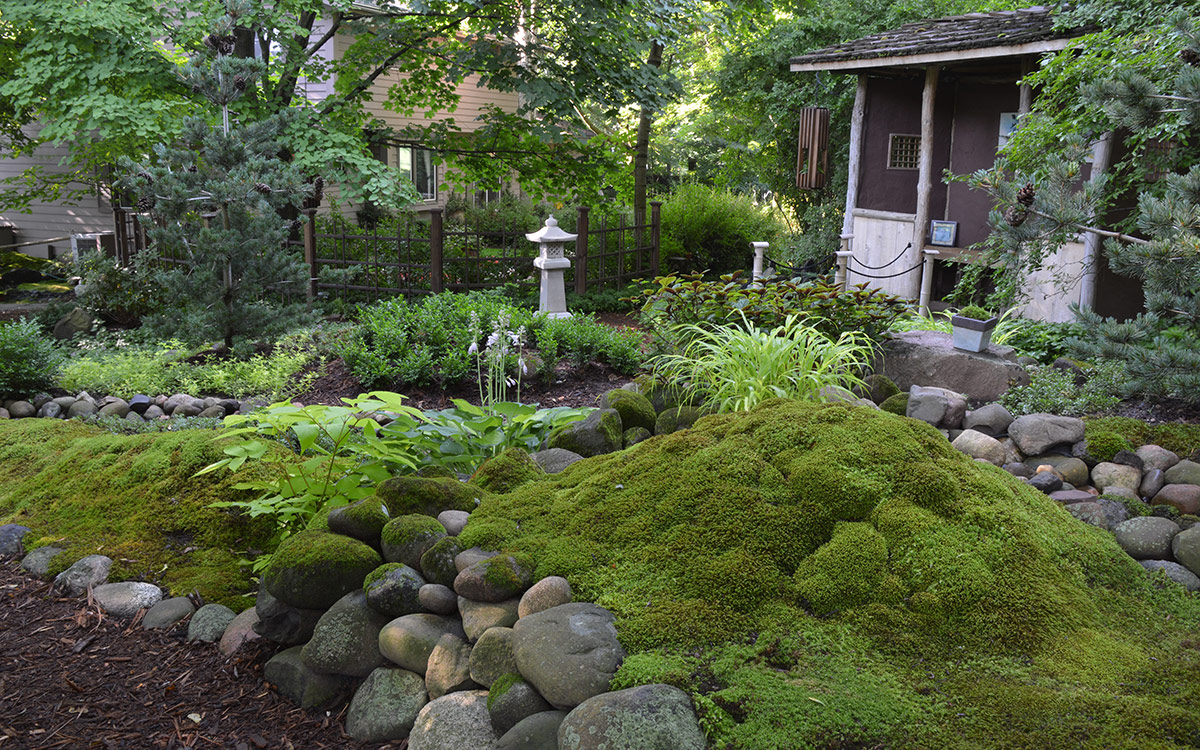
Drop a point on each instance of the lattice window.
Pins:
(904, 151)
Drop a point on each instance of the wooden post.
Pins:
(655, 235)
(1101, 158)
(925, 183)
(855, 158)
(1026, 92)
(581, 249)
(310, 255)
(435, 251)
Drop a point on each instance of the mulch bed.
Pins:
(72, 677)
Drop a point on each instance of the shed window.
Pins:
(904, 151)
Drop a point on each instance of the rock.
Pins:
(1147, 537)
(239, 632)
(139, 404)
(126, 598)
(896, 404)
(1045, 481)
(308, 689)
(209, 623)
(81, 408)
(118, 408)
(1173, 571)
(448, 667)
(494, 580)
(537, 732)
(549, 592)
(981, 446)
(596, 434)
(1186, 549)
(569, 652)
(1184, 472)
(512, 699)
(394, 590)
(37, 563)
(133, 417)
(85, 573)
(438, 599)
(1114, 510)
(437, 564)
(1072, 470)
(405, 495)
(364, 520)
(878, 388)
(677, 418)
(1090, 512)
(407, 538)
(635, 435)
(479, 617)
(64, 402)
(836, 394)
(12, 540)
(346, 638)
(554, 460)
(453, 521)
(492, 656)
(504, 473)
(282, 623)
(212, 412)
(72, 324)
(50, 410)
(1152, 481)
(1018, 469)
(1156, 457)
(1129, 458)
(1184, 497)
(21, 410)
(408, 641)
(634, 409)
(386, 705)
(313, 569)
(168, 612)
(153, 412)
(1034, 434)
(929, 358)
(469, 557)
(939, 407)
(458, 721)
(1107, 474)
(648, 717)
(990, 419)
(1124, 492)
(1070, 497)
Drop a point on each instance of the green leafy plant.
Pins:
(711, 229)
(115, 293)
(735, 367)
(29, 359)
(1053, 390)
(582, 339)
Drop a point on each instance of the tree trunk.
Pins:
(641, 150)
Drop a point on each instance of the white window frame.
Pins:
(407, 158)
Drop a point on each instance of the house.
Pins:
(945, 94)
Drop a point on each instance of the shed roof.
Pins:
(975, 35)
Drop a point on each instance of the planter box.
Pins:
(972, 335)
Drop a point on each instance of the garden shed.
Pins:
(944, 94)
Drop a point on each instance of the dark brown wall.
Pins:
(976, 129)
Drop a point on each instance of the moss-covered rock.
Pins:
(597, 434)
(313, 569)
(1103, 445)
(634, 408)
(408, 494)
(406, 538)
(507, 471)
(635, 435)
(895, 404)
(363, 520)
(878, 388)
(825, 551)
(437, 564)
(676, 418)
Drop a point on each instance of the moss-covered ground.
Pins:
(132, 498)
(830, 576)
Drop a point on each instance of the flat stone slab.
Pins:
(929, 358)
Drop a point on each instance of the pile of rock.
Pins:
(138, 408)
(627, 416)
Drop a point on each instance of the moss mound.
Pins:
(313, 569)
(407, 494)
(634, 408)
(406, 538)
(507, 471)
(132, 498)
(1102, 445)
(829, 574)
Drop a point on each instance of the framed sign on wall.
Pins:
(943, 233)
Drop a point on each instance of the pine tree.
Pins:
(217, 197)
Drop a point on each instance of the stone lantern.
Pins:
(551, 242)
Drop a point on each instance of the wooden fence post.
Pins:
(581, 250)
(655, 234)
(310, 255)
(435, 251)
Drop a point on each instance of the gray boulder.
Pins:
(978, 445)
(72, 324)
(479, 617)
(81, 408)
(1115, 511)
(118, 408)
(50, 410)
(282, 623)
(929, 358)
(438, 599)
(648, 717)
(395, 590)
(492, 656)
(494, 580)
(21, 410)
(386, 705)
(83, 574)
(1091, 513)
(37, 563)
(453, 521)
(1046, 481)
(408, 641)
(12, 540)
(1034, 434)
(1152, 481)
(458, 721)
(537, 732)
(209, 623)
(599, 433)
(1173, 571)
(437, 564)
(1107, 474)
(346, 638)
(1184, 472)
(569, 652)
(1147, 537)
(549, 592)
(468, 557)
(990, 419)
(511, 700)
(1156, 457)
(308, 689)
(677, 418)
(126, 598)
(168, 612)
(1186, 549)
(940, 407)
(554, 460)
(448, 669)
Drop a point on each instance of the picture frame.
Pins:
(943, 233)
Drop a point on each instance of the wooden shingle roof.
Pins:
(974, 35)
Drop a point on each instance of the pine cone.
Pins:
(145, 204)
(146, 176)
(193, 168)
(1191, 57)
(239, 83)
(1016, 216)
(262, 188)
(1026, 195)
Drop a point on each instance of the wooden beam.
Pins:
(1101, 159)
(1026, 101)
(855, 157)
(932, 58)
(925, 181)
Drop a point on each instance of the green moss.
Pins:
(507, 471)
(502, 685)
(634, 408)
(364, 520)
(1135, 507)
(381, 573)
(1178, 437)
(676, 418)
(407, 494)
(846, 571)
(313, 569)
(134, 499)
(406, 538)
(879, 388)
(1103, 445)
(895, 404)
(319, 520)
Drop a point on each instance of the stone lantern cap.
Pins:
(550, 233)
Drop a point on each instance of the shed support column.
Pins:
(925, 184)
(1101, 158)
(855, 156)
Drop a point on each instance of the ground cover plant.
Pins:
(828, 576)
(1095, 389)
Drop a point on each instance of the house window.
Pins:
(904, 151)
(485, 196)
(418, 165)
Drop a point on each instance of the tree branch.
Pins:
(1094, 230)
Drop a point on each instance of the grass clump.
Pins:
(822, 575)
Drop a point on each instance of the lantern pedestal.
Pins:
(552, 299)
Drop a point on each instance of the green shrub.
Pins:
(1053, 390)
(582, 339)
(117, 294)
(28, 359)
(1043, 341)
(712, 228)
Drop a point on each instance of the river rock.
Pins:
(313, 569)
(37, 563)
(364, 520)
(597, 434)
(453, 521)
(407, 538)
(1046, 481)
(1034, 434)
(1184, 472)
(81, 408)
(117, 408)
(395, 590)
(492, 657)
(1072, 470)
(458, 721)
(437, 564)
(549, 592)
(300, 684)
(126, 598)
(1152, 481)
(386, 705)
(940, 407)
(537, 732)
(1091, 513)
(50, 410)
(990, 419)
(569, 652)
(239, 632)
(448, 669)
(1186, 549)
(21, 410)
(346, 638)
(12, 540)
(408, 641)
(1156, 457)
(83, 574)
(554, 460)
(282, 623)
(479, 617)
(209, 623)
(468, 557)
(511, 700)
(1174, 571)
(168, 612)
(438, 599)
(647, 717)
(1070, 497)
(1184, 497)
(1108, 474)
(494, 580)
(1147, 537)
(978, 445)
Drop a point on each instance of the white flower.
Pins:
(473, 348)
(524, 369)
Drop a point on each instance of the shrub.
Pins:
(1054, 391)
(712, 228)
(582, 339)
(28, 359)
(120, 295)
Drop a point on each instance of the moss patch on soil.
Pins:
(1178, 437)
(132, 498)
(822, 575)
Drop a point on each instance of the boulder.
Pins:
(346, 638)
(1184, 497)
(554, 460)
(1034, 434)
(569, 652)
(282, 623)
(1115, 510)
(1072, 470)
(512, 699)
(1184, 472)
(239, 632)
(990, 419)
(1186, 549)
(1091, 513)
(1173, 571)
(469, 557)
(12, 540)
(677, 418)
(1152, 481)
(298, 683)
(37, 563)
(385, 706)
(313, 569)
(406, 538)
(50, 410)
(83, 574)
(168, 612)
(21, 410)
(537, 732)
(75, 322)
(438, 599)
(504, 473)
(492, 656)
(139, 404)
(1156, 457)
(458, 721)
(364, 520)
(1107, 474)
(981, 446)
(597, 434)
(126, 598)
(635, 435)
(549, 592)
(448, 669)
(634, 409)
(940, 407)
(438, 562)
(496, 579)
(453, 521)
(209, 623)
(1046, 481)
(1147, 537)
(81, 408)
(647, 717)
(408, 641)
(395, 590)
(878, 388)
(406, 495)
(479, 617)
(118, 408)
(929, 358)
(1129, 458)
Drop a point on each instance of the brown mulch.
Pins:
(71, 677)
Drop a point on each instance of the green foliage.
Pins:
(1178, 437)
(975, 312)
(120, 295)
(581, 339)
(29, 359)
(734, 368)
(1053, 390)
(604, 300)
(1042, 340)
(1102, 446)
(711, 229)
